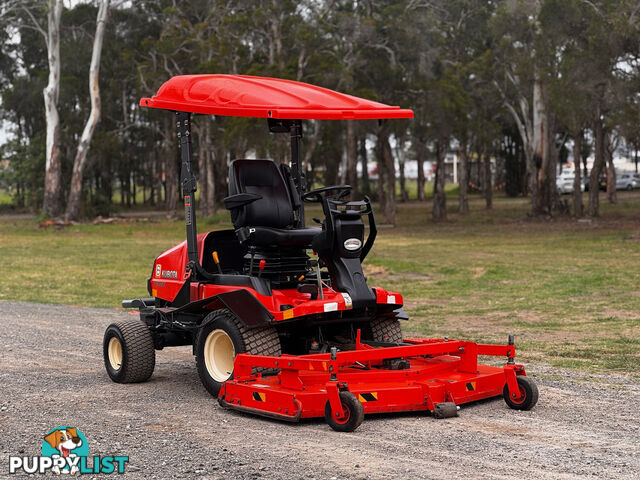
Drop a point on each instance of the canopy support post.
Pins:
(189, 186)
(295, 129)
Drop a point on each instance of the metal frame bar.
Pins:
(189, 186)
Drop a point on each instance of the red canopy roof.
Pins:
(246, 96)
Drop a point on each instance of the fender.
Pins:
(241, 303)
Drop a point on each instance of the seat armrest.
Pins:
(240, 200)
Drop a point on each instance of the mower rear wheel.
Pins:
(353, 413)
(528, 396)
(129, 354)
(221, 337)
(386, 330)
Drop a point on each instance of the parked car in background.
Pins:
(627, 181)
(564, 184)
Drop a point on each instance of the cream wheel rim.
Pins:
(115, 353)
(218, 355)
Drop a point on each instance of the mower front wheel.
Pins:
(526, 398)
(353, 413)
(221, 337)
(128, 350)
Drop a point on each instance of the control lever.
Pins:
(319, 278)
(216, 260)
(253, 253)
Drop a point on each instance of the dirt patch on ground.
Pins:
(380, 272)
(52, 373)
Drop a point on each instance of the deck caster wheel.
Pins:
(527, 397)
(353, 413)
(445, 410)
(129, 354)
(221, 337)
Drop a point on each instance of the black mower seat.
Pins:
(267, 236)
(268, 220)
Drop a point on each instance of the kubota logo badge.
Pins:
(158, 269)
(352, 244)
(65, 450)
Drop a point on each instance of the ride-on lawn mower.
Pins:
(276, 332)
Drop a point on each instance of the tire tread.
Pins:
(140, 351)
(386, 330)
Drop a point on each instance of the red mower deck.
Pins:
(426, 374)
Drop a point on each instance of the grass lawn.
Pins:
(569, 290)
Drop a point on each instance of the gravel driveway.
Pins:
(52, 373)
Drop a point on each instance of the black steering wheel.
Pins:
(317, 195)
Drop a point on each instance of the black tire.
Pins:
(629, 188)
(354, 413)
(130, 343)
(257, 341)
(528, 394)
(386, 330)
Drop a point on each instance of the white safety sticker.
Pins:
(391, 299)
(347, 300)
(331, 307)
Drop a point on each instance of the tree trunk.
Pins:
(404, 194)
(593, 208)
(577, 180)
(539, 185)
(390, 173)
(421, 150)
(308, 151)
(53, 167)
(170, 155)
(366, 187)
(487, 184)
(80, 161)
(352, 159)
(555, 202)
(210, 162)
(439, 211)
(221, 169)
(220, 173)
(611, 172)
(386, 175)
(203, 153)
(400, 141)
(463, 182)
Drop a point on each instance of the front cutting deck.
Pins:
(418, 375)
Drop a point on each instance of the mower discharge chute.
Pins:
(276, 332)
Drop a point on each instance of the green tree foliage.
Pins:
(469, 70)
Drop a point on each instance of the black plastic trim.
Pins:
(139, 303)
(240, 302)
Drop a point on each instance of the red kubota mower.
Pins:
(276, 332)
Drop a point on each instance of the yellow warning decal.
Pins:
(471, 386)
(259, 396)
(287, 314)
(368, 397)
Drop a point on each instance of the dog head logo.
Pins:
(64, 440)
(66, 443)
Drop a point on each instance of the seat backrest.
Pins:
(262, 177)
